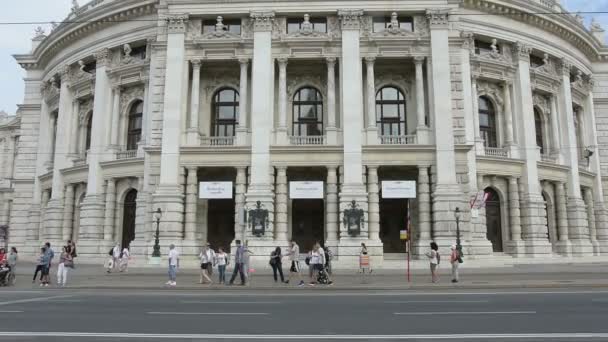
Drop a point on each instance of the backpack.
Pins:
(438, 258)
(121, 254)
(111, 253)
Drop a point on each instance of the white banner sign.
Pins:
(398, 189)
(306, 190)
(215, 190)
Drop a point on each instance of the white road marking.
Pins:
(210, 313)
(10, 311)
(462, 313)
(32, 300)
(435, 301)
(480, 337)
(205, 302)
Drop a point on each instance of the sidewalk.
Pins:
(513, 277)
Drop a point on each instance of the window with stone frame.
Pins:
(225, 112)
(89, 130)
(230, 25)
(318, 24)
(307, 112)
(487, 122)
(536, 61)
(390, 112)
(134, 127)
(485, 46)
(382, 23)
(138, 52)
(538, 126)
(90, 67)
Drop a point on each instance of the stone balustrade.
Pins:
(218, 141)
(496, 152)
(307, 140)
(398, 140)
(129, 154)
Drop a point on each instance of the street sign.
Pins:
(403, 235)
(398, 189)
(306, 190)
(215, 190)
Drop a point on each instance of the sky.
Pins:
(16, 39)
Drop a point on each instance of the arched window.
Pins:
(225, 112)
(134, 128)
(87, 141)
(487, 122)
(390, 111)
(538, 125)
(307, 112)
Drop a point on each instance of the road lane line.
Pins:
(10, 311)
(205, 302)
(439, 313)
(477, 337)
(435, 301)
(33, 300)
(210, 313)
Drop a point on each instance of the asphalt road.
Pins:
(319, 314)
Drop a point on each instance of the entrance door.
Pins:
(393, 218)
(128, 218)
(494, 220)
(307, 222)
(220, 223)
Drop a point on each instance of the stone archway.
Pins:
(494, 220)
(128, 218)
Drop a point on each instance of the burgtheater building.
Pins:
(331, 121)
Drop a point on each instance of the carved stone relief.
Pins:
(541, 102)
(128, 95)
(491, 90)
(84, 109)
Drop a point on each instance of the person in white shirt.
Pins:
(124, 260)
(294, 256)
(115, 258)
(207, 257)
(221, 260)
(317, 260)
(173, 265)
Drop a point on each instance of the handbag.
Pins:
(68, 263)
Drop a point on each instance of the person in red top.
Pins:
(2, 256)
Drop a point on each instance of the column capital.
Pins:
(350, 19)
(116, 87)
(196, 63)
(177, 23)
(332, 168)
(370, 60)
(243, 61)
(468, 40)
(507, 83)
(262, 21)
(419, 60)
(283, 60)
(64, 72)
(331, 61)
(438, 18)
(522, 51)
(103, 57)
(565, 67)
(281, 169)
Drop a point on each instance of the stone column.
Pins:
(241, 130)
(92, 210)
(352, 104)
(68, 213)
(52, 141)
(533, 211)
(141, 217)
(448, 193)
(370, 92)
(563, 245)
(108, 225)
(422, 130)
(260, 185)
(115, 128)
(281, 206)
(506, 93)
(74, 129)
(191, 204)
(193, 134)
(578, 225)
(515, 245)
(143, 141)
(239, 201)
(282, 135)
(555, 136)
(54, 212)
(10, 160)
(331, 207)
(588, 198)
(331, 131)
(479, 143)
(44, 202)
(424, 238)
(169, 196)
(373, 193)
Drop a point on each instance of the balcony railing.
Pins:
(496, 152)
(81, 160)
(307, 140)
(398, 139)
(218, 141)
(126, 154)
(547, 158)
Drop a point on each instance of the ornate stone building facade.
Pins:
(130, 105)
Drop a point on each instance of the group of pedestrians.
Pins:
(119, 259)
(435, 260)
(210, 259)
(44, 264)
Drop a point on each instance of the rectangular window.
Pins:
(536, 61)
(318, 24)
(484, 46)
(230, 25)
(382, 23)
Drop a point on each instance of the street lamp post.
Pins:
(457, 217)
(157, 215)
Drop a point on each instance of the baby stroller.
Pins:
(323, 277)
(6, 276)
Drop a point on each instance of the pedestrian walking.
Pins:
(277, 264)
(12, 262)
(434, 259)
(364, 260)
(65, 263)
(115, 255)
(455, 260)
(248, 270)
(238, 263)
(316, 261)
(125, 256)
(173, 258)
(40, 264)
(72, 248)
(221, 260)
(50, 255)
(294, 257)
(207, 257)
(44, 267)
(3, 255)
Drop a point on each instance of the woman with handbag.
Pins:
(455, 260)
(65, 262)
(276, 264)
